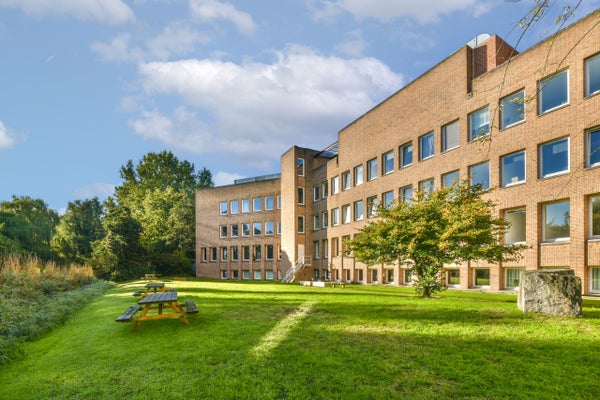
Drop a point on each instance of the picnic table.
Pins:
(154, 287)
(166, 305)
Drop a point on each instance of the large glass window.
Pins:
(335, 185)
(406, 194)
(513, 277)
(592, 75)
(234, 206)
(513, 168)
(300, 166)
(450, 136)
(346, 216)
(480, 174)
(325, 219)
(270, 253)
(300, 195)
(300, 223)
(335, 216)
(358, 175)
(371, 169)
(512, 109)
(246, 253)
(553, 92)
(223, 207)
(516, 231)
(372, 204)
(595, 281)
(346, 180)
(479, 123)
(235, 253)
(234, 230)
(358, 210)
(257, 204)
(387, 163)
(554, 158)
(316, 222)
(245, 205)
(246, 229)
(257, 228)
(224, 254)
(592, 148)
(595, 216)
(388, 199)
(257, 254)
(481, 277)
(427, 185)
(448, 179)
(426, 146)
(223, 230)
(557, 221)
(269, 203)
(406, 155)
(316, 192)
(325, 189)
(269, 228)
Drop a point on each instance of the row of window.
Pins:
(256, 274)
(255, 228)
(258, 204)
(553, 93)
(244, 253)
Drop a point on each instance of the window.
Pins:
(372, 204)
(553, 92)
(300, 223)
(335, 216)
(388, 199)
(317, 247)
(387, 163)
(479, 124)
(257, 275)
(358, 175)
(512, 109)
(269, 275)
(595, 280)
(335, 185)
(223, 207)
(269, 203)
(300, 195)
(325, 248)
(358, 210)
(279, 202)
(269, 249)
(346, 214)
(406, 194)
(346, 181)
(512, 168)
(480, 174)
(324, 189)
(300, 166)
(481, 277)
(449, 178)
(316, 192)
(557, 221)
(204, 254)
(223, 231)
(235, 254)
(592, 75)
(246, 253)
(345, 249)
(592, 148)
(269, 228)
(371, 169)
(257, 253)
(335, 247)
(427, 185)
(453, 277)
(516, 230)
(246, 274)
(245, 205)
(234, 230)
(279, 227)
(257, 228)
(426, 149)
(246, 229)
(213, 254)
(316, 222)
(406, 155)
(595, 216)
(450, 136)
(325, 219)
(257, 204)
(224, 254)
(234, 206)
(554, 158)
(512, 278)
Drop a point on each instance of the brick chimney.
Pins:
(489, 54)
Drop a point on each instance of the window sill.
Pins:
(513, 184)
(540, 114)
(555, 174)
(555, 242)
(513, 124)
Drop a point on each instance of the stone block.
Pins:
(550, 291)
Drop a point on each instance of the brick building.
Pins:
(527, 124)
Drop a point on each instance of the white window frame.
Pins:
(544, 219)
(402, 155)
(503, 173)
(541, 158)
(372, 169)
(359, 177)
(422, 147)
(510, 100)
(596, 60)
(481, 128)
(451, 136)
(552, 80)
(386, 158)
(588, 147)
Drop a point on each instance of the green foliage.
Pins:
(449, 225)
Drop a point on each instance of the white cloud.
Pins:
(255, 108)
(209, 10)
(100, 190)
(6, 141)
(424, 11)
(118, 49)
(354, 46)
(105, 11)
(225, 178)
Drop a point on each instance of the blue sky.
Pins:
(87, 85)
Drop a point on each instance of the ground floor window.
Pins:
(246, 274)
(482, 277)
(595, 281)
(269, 275)
(408, 277)
(512, 277)
(317, 274)
(453, 277)
(326, 274)
(347, 275)
(374, 276)
(360, 275)
(258, 275)
(224, 274)
(235, 274)
(390, 275)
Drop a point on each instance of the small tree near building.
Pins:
(449, 225)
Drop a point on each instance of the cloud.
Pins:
(354, 46)
(225, 178)
(209, 10)
(424, 11)
(6, 140)
(252, 108)
(110, 12)
(100, 190)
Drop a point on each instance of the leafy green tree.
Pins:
(78, 228)
(27, 226)
(449, 225)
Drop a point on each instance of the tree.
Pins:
(449, 225)
(78, 228)
(27, 226)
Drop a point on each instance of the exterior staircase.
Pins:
(290, 275)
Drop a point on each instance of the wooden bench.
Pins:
(190, 307)
(128, 314)
(138, 293)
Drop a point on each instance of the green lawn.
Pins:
(273, 341)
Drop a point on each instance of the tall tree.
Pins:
(449, 225)
(78, 228)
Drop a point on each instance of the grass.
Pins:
(256, 340)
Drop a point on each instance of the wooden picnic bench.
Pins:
(129, 314)
(190, 307)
